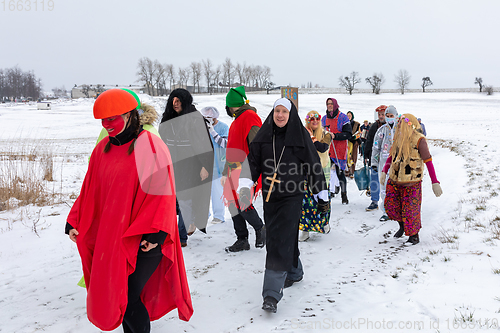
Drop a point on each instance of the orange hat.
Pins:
(113, 102)
(381, 108)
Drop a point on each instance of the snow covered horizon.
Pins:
(357, 277)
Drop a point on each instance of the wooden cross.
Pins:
(273, 180)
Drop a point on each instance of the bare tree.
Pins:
(402, 79)
(196, 71)
(247, 75)
(216, 77)
(239, 72)
(349, 82)
(158, 77)
(376, 81)
(184, 75)
(266, 79)
(479, 80)
(488, 90)
(170, 74)
(145, 73)
(85, 90)
(258, 73)
(268, 85)
(426, 81)
(228, 72)
(208, 73)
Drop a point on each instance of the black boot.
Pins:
(239, 245)
(413, 239)
(345, 201)
(401, 230)
(270, 304)
(260, 237)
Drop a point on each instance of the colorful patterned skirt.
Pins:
(311, 219)
(403, 203)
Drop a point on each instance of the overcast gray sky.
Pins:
(311, 40)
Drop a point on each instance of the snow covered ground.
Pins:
(357, 277)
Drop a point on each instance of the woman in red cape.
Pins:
(124, 224)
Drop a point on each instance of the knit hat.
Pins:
(381, 108)
(236, 97)
(113, 102)
(392, 110)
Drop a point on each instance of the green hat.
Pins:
(236, 97)
(135, 96)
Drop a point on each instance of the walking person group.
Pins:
(143, 189)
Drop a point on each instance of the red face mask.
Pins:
(113, 125)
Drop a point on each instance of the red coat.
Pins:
(237, 151)
(122, 198)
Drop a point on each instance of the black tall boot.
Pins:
(401, 230)
(413, 239)
(345, 201)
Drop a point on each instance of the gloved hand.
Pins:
(436, 188)
(323, 206)
(382, 178)
(244, 198)
(374, 168)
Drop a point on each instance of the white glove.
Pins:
(382, 177)
(436, 188)
(212, 131)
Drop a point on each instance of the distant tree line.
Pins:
(16, 84)
(402, 79)
(159, 79)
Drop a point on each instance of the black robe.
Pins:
(190, 146)
(300, 162)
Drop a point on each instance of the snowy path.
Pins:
(356, 276)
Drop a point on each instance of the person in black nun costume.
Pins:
(283, 152)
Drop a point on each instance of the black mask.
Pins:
(228, 111)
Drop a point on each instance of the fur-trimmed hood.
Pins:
(150, 116)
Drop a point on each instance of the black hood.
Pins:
(186, 100)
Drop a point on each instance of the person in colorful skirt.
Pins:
(312, 219)
(124, 224)
(338, 124)
(382, 143)
(405, 166)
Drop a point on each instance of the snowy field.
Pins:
(357, 277)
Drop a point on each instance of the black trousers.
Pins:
(136, 317)
(240, 219)
(342, 179)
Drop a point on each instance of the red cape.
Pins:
(237, 151)
(122, 198)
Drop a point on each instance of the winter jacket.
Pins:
(369, 139)
(382, 143)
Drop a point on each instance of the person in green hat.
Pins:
(243, 129)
